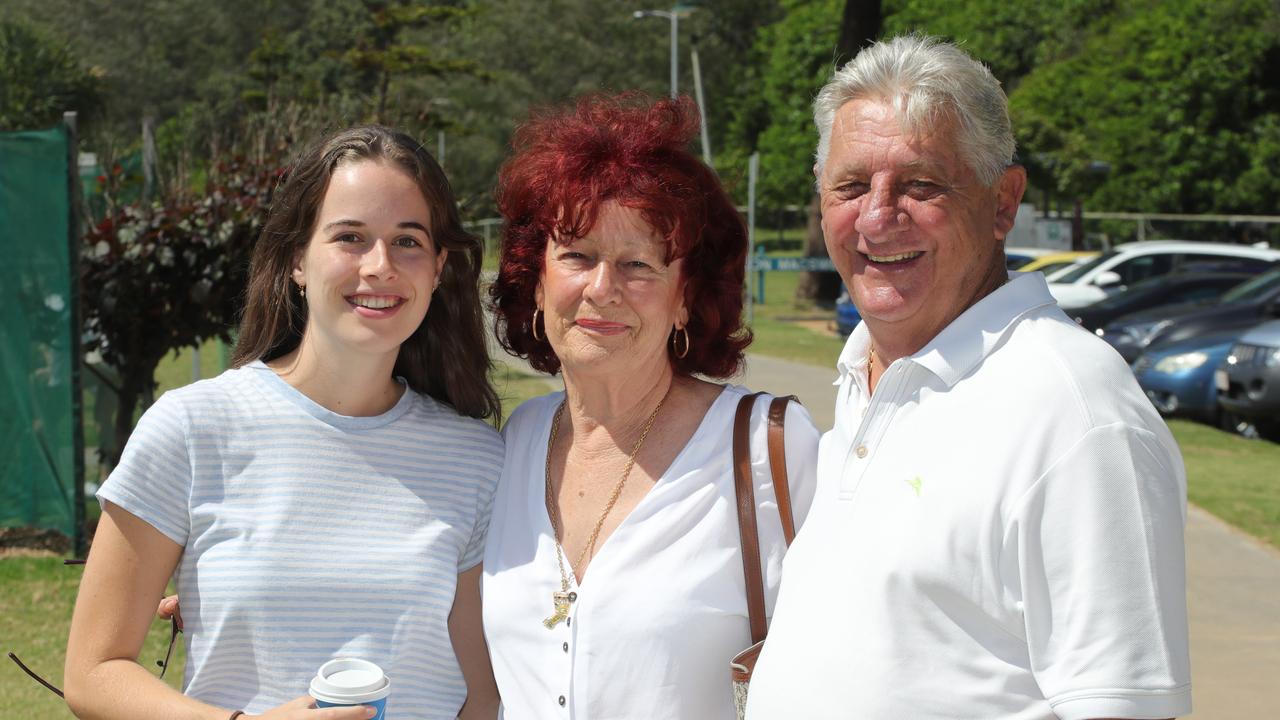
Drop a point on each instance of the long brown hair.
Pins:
(446, 356)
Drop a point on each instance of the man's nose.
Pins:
(881, 216)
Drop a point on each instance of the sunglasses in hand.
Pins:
(162, 664)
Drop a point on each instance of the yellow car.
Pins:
(1057, 262)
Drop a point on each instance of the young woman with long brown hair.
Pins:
(329, 495)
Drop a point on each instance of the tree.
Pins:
(40, 78)
(156, 279)
(795, 56)
(383, 51)
(859, 27)
(1179, 99)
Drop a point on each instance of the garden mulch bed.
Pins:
(27, 540)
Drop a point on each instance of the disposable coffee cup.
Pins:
(350, 681)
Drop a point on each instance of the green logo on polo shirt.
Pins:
(915, 484)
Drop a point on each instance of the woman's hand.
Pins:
(168, 608)
(304, 709)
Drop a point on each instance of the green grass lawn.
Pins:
(514, 387)
(777, 335)
(1232, 477)
(37, 595)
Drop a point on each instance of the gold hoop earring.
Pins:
(533, 325)
(680, 354)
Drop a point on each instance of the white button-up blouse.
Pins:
(656, 621)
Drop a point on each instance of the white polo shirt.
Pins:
(996, 534)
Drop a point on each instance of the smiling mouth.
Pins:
(375, 302)
(893, 259)
(601, 325)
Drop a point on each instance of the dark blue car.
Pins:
(847, 317)
(1178, 375)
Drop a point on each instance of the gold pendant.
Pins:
(561, 600)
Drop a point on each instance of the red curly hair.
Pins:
(633, 150)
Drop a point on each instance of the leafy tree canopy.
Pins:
(40, 78)
(794, 57)
(1179, 99)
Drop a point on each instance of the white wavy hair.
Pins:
(928, 82)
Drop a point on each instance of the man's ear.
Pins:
(1009, 190)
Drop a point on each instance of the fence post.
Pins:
(80, 544)
(149, 160)
(760, 276)
(753, 170)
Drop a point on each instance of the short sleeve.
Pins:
(1101, 576)
(486, 488)
(153, 479)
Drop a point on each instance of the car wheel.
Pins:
(1269, 431)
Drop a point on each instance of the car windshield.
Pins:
(1253, 289)
(1080, 271)
(1048, 269)
(1135, 290)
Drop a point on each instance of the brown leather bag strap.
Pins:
(746, 493)
(778, 464)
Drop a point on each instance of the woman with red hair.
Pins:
(613, 575)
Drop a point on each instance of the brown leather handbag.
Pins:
(744, 663)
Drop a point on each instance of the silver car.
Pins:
(1249, 380)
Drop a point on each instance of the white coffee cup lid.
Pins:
(350, 681)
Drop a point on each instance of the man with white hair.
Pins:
(998, 526)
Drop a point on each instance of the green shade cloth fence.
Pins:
(38, 404)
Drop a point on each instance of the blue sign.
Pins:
(770, 263)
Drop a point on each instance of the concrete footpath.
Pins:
(1233, 580)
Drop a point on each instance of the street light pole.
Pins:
(673, 16)
(675, 56)
(702, 106)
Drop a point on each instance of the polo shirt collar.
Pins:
(853, 358)
(968, 339)
(977, 331)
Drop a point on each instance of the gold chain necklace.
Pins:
(563, 599)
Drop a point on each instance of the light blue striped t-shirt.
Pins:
(311, 535)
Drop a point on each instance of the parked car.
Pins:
(1157, 291)
(1050, 265)
(1129, 263)
(847, 317)
(1016, 257)
(1178, 376)
(1248, 381)
(1243, 306)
